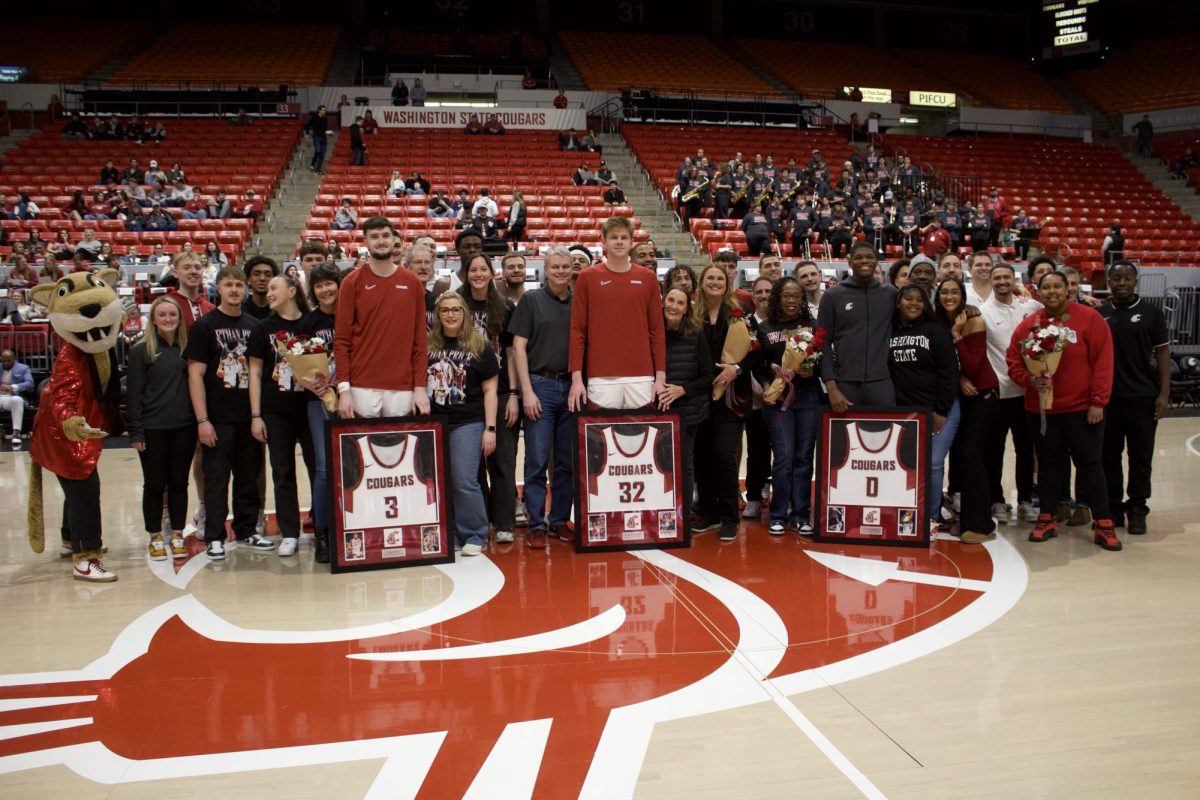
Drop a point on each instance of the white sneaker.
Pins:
(287, 546)
(92, 570)
(260, 542)
(806, 528)
(1000, 512)
(215, 550)
(504, 537)
(776, 529)
(16, 443)
(1027, 511)
(472, 549)
(752, 510)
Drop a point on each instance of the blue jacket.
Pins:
(22, 378)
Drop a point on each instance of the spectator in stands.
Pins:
(380, 338)
(50, 268)
(1187, 160)
(5, 212)
(61, 246)
(605, 321)
(35, 241)
(159, 220)
(588, 142)
(440, 206)
(317, 127)
(604, 174)
(157, 195)
(493, 126)
(10, 307)
(514, 227)
(76, 208)
(569, 141)
(614, 195)
(1019, 224)
(89, 245)
(418, 93)
(16, 386)
(26, 209)
(175, 174)
(195, 207)
(156, 132)
(485, 202)
(560, 100)
(251, 207)
(74, 129)
(417, 185)
(135, 131)
(395, 186)
(346, 218)
(473, 127)
(400, 93)
(1112, 249)
(583, 176)
(214, 259)
(98, 209)
(1145, 136)
(528, 81)
(935, 241)
(133, 173)
(370, 125)
(180, 194)
(996, 208)
(358, 150)
(21, 275)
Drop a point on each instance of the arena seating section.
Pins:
(991, 80)
(235, 54)
(671, 64)
(84, 46)
(408, 44)
(1144, 76)
(557, 211)
(818, 69)
(214, 156)
(1170, 146)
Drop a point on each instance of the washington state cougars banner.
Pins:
(513, 119)
(629, 469)
(388, 479)
(873, 477)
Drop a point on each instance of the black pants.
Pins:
(1021, 246)
(839, 243)
(1070, 433)
(286, 429)
(869, 393)
(81, 512)
(722, 205)
(1011, 416)
(798, 241)
(978, 417)
(1129, 423)
(239, 454)
(498, 476)
(687, 442)
(758, 455)
(165, 464)
(979, 241)
(717, 440)
(757, 245)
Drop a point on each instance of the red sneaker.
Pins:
(1104, 535)
(1045, 528)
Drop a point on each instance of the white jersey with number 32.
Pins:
(872, 475)
(629, 479)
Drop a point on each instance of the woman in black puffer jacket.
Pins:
(690, 370)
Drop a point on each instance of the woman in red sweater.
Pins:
(978, 399)
(1074, 422)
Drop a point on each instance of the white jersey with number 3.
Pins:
(389, 493)
(872, 473)
(630, 479)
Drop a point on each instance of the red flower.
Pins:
(818, 340)
(755, 344)
(737, 312)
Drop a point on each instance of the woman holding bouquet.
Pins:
(924, 370)
(730, 334)
(1066, 402)
(323, 286)
(978, 400)
(278, 403)
(790, 402)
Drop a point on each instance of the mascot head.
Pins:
(84, 309)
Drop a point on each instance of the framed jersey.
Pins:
(872, 477)
(629, 469)
(388, 479)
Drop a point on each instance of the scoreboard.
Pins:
(1070, 27)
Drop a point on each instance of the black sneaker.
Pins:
(706, 524)
(322, 554)
(1136, 522)
(728, 531)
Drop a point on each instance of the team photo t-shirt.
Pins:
(455, 382)
(220, 341)
(281, 392)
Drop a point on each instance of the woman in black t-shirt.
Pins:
(461, 384)
(279, 404)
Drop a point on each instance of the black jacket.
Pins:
(924, 366)
(690, 364)
(858, 323)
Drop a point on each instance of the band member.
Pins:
(724, 192)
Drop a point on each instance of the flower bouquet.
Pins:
(1042, 350)
(309, 359)
(800, 357)
(739, 341)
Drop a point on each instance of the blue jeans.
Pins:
(941, 446)
(319, 144)
(553, 429)
(793, 434)
(470, 513)
(321, 512)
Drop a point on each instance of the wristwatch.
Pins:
(490, 429)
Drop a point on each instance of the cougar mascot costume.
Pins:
(78, 408)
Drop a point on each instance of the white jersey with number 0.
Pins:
(872, 473)
(389, 493)
(629, 479)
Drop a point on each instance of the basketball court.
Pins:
(762, 668)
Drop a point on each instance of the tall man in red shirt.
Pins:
(379, 334)
(616, 310)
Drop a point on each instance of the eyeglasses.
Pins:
(448, 311)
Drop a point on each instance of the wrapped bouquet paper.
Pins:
(1042, 350)
(739, 341)
(800, 357)
(308, 359)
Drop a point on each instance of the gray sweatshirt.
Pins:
(858, 324)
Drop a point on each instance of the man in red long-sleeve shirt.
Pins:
(379, 339)
(616, 329)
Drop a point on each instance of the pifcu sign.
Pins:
(932, 99)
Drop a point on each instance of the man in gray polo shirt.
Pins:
(541, 327)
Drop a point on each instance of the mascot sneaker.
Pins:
(92, 570)
(158, 548)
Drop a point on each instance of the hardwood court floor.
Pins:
(765, 668)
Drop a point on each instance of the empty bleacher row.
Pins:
(76, 48)
(213, 155)
(1145, 76)
(557, 212)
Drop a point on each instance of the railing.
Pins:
(1181, 306)
(725, 108)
